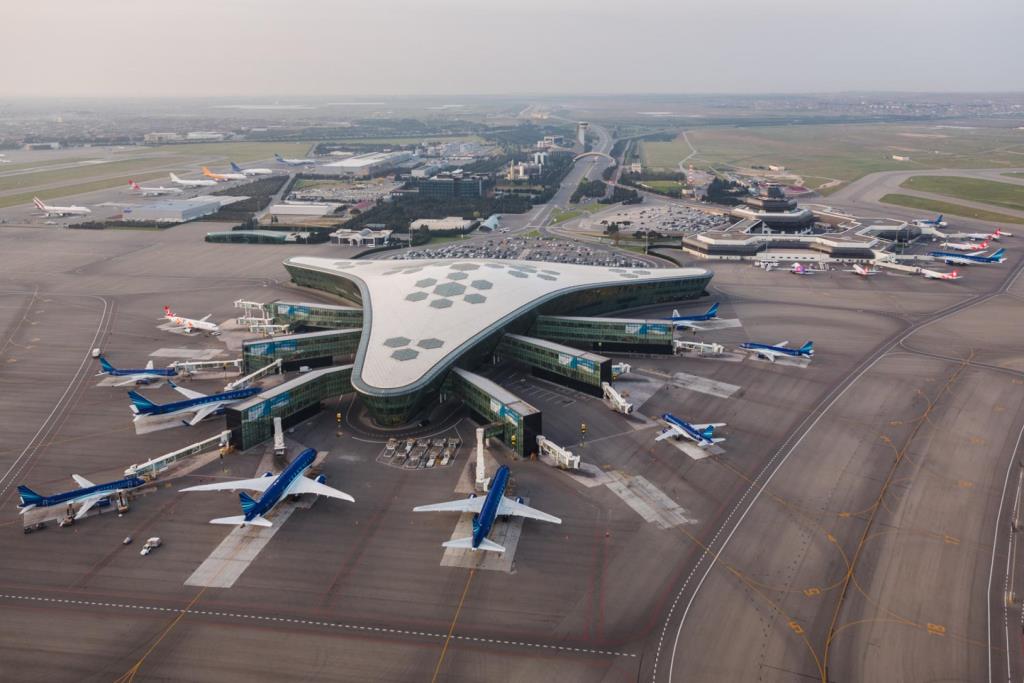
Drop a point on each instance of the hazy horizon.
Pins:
(252, 48)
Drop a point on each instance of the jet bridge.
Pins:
(519, 423)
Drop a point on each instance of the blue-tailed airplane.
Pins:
(702, 435)
(195, 402)
(250, 171)
(144, 375)
(88, 494)
(485, 511)
(934, 223)
(291, 482)
(294, 162)
(689, 321)
(773, 351)
(969, 259)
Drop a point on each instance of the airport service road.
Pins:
(863, 550)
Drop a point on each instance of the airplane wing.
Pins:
(512, 507)
(688, 324)
(131, 379)
(205, 317)
(462, 505)
(702, 427)
(87, 505)
(188, 393)
(202, 414)
(782, 343)
(255, 484)
(307, 485)
(669, 432)
(82, 481)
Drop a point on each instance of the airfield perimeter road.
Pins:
(863, 549)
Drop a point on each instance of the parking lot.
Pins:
(527, 249)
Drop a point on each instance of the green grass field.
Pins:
(662, 185)
(83, 173)
(934, 206)
(563, 215)
(39, 164)
(67, 190)
(239, 152)
(406, 141)
(1014, 175)
(1005, 195)
(841, 151)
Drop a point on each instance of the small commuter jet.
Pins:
(153, 191)
(250, 171)
(702, 434)
(690, 321)
(862, 271)
(294, 162)
(220, 177)
(190, 324)
(60, 210)
(192, 183)
(772, 351)
(291, 482)
(986, 236)
(969, 259)
(967, 246)
(936, 275)
(936, 222)
(88, 494)
(202, 405)
(800, 269)
(144, 375)
(485, 510)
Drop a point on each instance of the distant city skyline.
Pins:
(254, 48)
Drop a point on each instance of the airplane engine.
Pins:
(321, 479)
(268, 474)
(472, 496)
(519, 499)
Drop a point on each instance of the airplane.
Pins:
(862, 271)
(967, 246)
(190, 324)
(195, 402)
(986, 236)
(250, 171)
(969, 259)
(153, 191)
(799, 269)
(291, 482)
(934, 223)
(689, 321)
(294, 162)
(936, 275)
(485, 510)
(222, 176)
(88, 494)
(136, 376)
(771, 352)
(60, 210)
(192, 183)
(702, 434)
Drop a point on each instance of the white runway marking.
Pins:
(647, 500)
(711, 387)
(718, 324)
(187, 354)
(503, 533)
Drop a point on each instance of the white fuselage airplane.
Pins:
(190, 324)
(294, 162)
(192, 183)
(701, 434)
(250, 171)
(862, 271)
(936, 275)
(967, 246)
(222, 176)
(153, 191)
(60, 210)
(986, 236)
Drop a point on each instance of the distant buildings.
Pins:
(450, 224)
(550, 141)
(366, 165)
(173, 210)
(450, 185)
(581, 132)
(775, 211)
(366, 237)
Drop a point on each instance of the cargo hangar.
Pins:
(406, 335)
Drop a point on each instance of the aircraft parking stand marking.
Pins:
(704, 385)
(187, 354)
(503, 533)
(314, 622)
(647, 500)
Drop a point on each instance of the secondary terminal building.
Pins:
(422, 320)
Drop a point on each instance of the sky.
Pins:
(113, 48)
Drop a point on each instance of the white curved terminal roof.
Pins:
(420, 313)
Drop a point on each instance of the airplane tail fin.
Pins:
(240, 519)
(278, 157)
(38, 202)
(167, 310)
(107, 367)
(208, 173)
(235, 167)
(713, 311)
(999, 254)
(132, 184)
(939, 219)
(808, 348)
(141, 402)
(247, 502)
(28, 496)
(675, 312)
(467, 544)
(708, 432)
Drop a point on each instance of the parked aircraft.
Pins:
(986, 236)
(136, 376)
(936, 275)
(969, 259)
(485, 511)
(689, 321)
(800, 269)
(220, 177)
(934, 223)
(153, 191)
(773, 351)
(60, 210)
(294, 162)
(88, 494)
(250, 171)
(202, 405)
(291, 482)
(701, 434)
(862, 271)
(192, 183)
(190, 324)
(967, 246)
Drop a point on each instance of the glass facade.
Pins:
(320, 316)
(558, 363)
(619, 334)
(327, 347)
(252, 422)
(495, 404)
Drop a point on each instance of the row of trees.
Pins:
(588, 188)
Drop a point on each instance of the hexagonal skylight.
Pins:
(405, 354)
(457, 276)
(474, 298)
(450, 289)
(395, 342)
(416, 296)
(517, 273)
(441, 303)
(426, 282)
(465, 266)
(481, 284)
(431, 343)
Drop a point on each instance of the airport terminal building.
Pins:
(423, 319)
